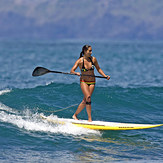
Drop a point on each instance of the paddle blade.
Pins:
(38, 71)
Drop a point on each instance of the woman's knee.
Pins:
(88, 100)
(84, 101)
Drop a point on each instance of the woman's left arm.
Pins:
(99, 69)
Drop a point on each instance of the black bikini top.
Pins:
(83, 67)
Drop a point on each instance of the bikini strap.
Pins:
(91, 60)
(83, 64)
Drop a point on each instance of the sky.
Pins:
(85, 19)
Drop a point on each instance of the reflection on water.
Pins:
(117, 145)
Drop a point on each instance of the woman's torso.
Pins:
(88, 69)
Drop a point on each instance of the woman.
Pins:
(86, 63)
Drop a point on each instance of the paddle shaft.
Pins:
(38, 71)
(76, 74)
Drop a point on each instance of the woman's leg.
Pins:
(80, 108)
(82, 105)
(87, 91)
(88, 107)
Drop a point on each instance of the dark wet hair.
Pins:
(85, 48)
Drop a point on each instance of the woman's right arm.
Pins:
(74, 68)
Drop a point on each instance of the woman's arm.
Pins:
(99, 69)
(75, 67)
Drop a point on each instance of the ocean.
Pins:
(134, 94)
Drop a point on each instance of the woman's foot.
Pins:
(89, 120)
(75, 117)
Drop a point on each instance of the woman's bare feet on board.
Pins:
(75, 117)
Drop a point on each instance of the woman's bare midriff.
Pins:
(87, 78)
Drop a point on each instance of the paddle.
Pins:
(38, 71)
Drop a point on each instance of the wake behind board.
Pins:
(100, 125)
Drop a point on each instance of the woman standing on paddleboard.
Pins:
(87, 64)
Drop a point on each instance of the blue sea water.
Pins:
(134, 94)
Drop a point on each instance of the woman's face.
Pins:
(89, 52)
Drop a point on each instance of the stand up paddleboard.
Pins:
(100, 125)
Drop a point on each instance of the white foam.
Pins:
(33, 122)
(48, 83)
(8, 109)
(4, 91)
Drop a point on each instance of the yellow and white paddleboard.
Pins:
(100, 125)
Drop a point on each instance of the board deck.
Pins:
(100, 125)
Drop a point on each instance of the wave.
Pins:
(102, 85)
(123, 104)
(33, 122)
(5, 91)
(7, 109)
